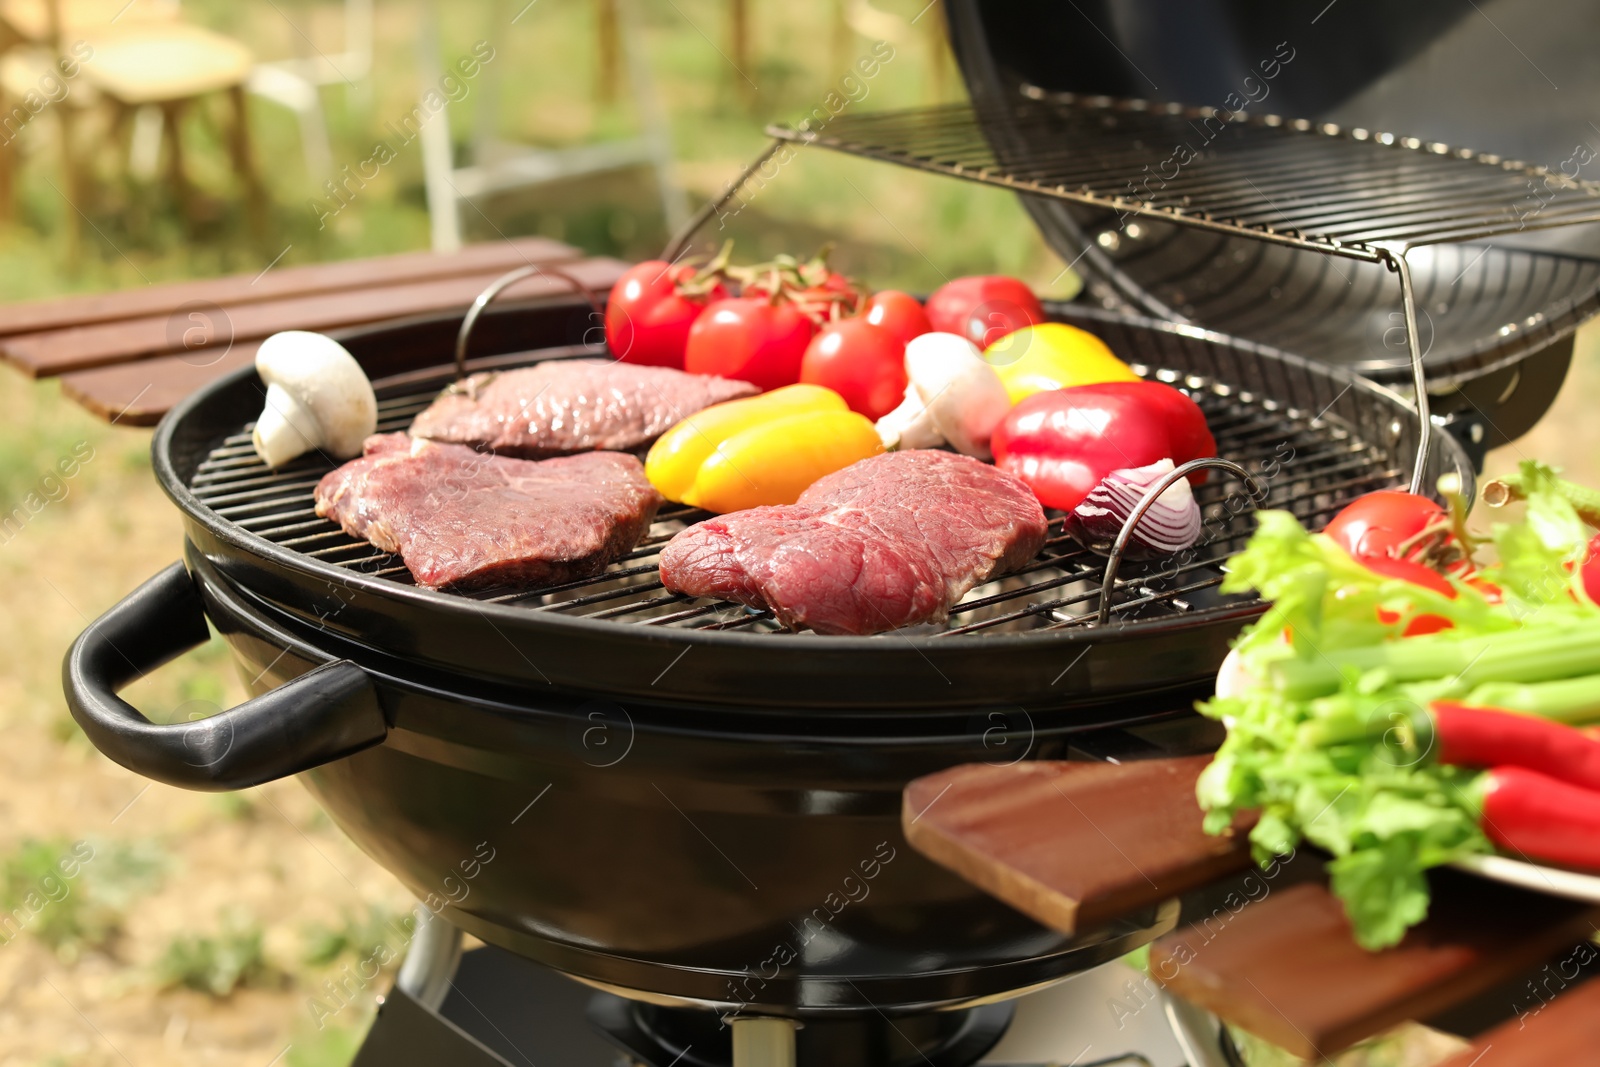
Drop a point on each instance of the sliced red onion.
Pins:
(1171, 525)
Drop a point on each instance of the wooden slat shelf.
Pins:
(1567, 1031)
(1072, 844)
(1133, 839)
(279, 282)
(125, 357)
(1286, 968)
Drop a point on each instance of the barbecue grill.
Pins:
(672, 788)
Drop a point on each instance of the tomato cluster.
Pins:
(1406, 536)
(786, 321)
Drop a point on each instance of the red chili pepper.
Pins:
(1491, 737)
(1062, 443)
(1536, 815)
(1591, 569)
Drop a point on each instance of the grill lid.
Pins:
(1441, 71)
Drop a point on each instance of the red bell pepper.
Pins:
(1062, 443)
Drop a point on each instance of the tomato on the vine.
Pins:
(983, 308)
(1382, 522)
(899, 313)
(750, 339)
(820, 291)
(651, 308)
(1388, 532)
(862, 362)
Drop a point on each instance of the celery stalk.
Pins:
(1585, 501)
(1575, 701)
(1532, 655)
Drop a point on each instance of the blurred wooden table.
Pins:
(129, 356)
(1077, 843)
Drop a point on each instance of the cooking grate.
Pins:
(1157, 197)
(1300, 433)
(1315, 186)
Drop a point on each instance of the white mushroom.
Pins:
(952, 396)
(317, 398)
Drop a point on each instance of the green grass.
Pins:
(357, 937)
(72, 896)
(218, 963)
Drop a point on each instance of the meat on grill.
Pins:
(566, 406)
(461, 519)
(890, 541)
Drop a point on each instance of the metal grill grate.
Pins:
(1348, 191)
(1313, 462)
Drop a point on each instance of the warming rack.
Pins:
(1341, 191)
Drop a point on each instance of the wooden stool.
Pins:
(169, 66)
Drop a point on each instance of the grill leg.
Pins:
(431, 963)
(1198, 1033)
(759, 1042)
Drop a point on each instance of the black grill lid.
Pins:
(1480, 75)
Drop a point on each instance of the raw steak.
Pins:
(463, 520)
(571, 405)
(890, 541)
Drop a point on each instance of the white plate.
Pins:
(1232, 678)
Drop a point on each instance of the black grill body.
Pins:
(679, 854)
(668, 804)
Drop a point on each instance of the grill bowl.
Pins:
(670, 854)
(1318, 436)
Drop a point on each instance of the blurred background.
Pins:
(214, 929)
(203, 928)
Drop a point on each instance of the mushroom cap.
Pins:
(965, 398)
(326, 384)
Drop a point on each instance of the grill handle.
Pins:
(323, 715)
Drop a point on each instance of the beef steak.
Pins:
(572, 405)
(461, 519)
(890, 541)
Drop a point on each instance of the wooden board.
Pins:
(1288, 969)
(1565, 1031)
(138, 394)
(279, 282)
(80, 348)
(1072, 844)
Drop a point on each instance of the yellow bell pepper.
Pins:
(761, 450)
(1053, 355)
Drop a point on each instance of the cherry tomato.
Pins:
(650, 311)
(1416, 574)
(750, 339)
(899, 313)
(862, 362)
(983, 308)
(1377, 524)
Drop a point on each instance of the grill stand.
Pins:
(414, 1027)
